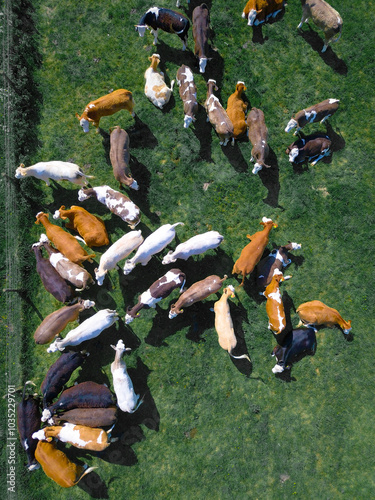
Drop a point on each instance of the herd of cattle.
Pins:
(78, 415)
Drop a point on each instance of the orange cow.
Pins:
(63, 241)
(105, 106)
(58, 467)
(90, 227)
(236, 108)
(253, 251)
(259, 11)
(274, 305)
(317, 313)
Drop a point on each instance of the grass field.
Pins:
(209, 427)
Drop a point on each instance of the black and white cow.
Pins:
(312, 148)
(299, 343)
(277, 259)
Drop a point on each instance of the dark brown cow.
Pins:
(201, 31)
(28, 422)
(258, 136)
(297, 344)
(188, 93)
(277, 259)
(317, 113)
(120, 156)
(91, 417)
(159, 290)
(311, 148)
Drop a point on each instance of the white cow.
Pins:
(127, 399)
(89, 329)
(155, 88)
(153, 244)
(116, 252)
(56, 170)
(194, 246)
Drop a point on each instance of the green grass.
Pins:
(206, 429)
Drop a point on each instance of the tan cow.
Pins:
(105, 106)
(253, 251)
(258, 136)
(155, 87)
(119, 155)
(236, 109)
(217, 115)
(274, 306)
(316, 313)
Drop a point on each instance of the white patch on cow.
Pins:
(310, 116)
(141, 30)
(251, 17)
(55, 258)
(189, 77)
(46, 414)
(68, 434)
(154, 10)
(332, 101)
(265, 220)
(148, 300)
(293, 154)
(291, 124)
(187, 121)
(257, 168)
(277, 369)
(40, 435)
(202, 64)
(56, 215)
(82, 196)
(296, 246)
(275, 296)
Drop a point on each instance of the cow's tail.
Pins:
(243, 356)
(87, 471)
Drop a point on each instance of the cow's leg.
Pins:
(324, 153)
(155, 33)
(304, 19)
(325, 118)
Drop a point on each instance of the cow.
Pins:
(258, 136)
(88, 226)
(87, 330)
(316, 113)
(58, 467)
(75, 274)
(259, 11)
(236, 108)
(311, 148)
(197, 292)
(253, 251)
(324, 17)
(153, 244)
(127, 400)
(318, 314)
(201, 33)
(194, 246)
(79, 436)
(116, 202)
(156, 89)
(116, 252)
(224, 324)
(105, 106)
(52, 281)
(159, 290)
(90, 417)
(55, 170)
(188, 93)
(298, 343)
(28, 422)
(217, 115)
(59, 373)
(55, 322)
(166, 20)
(120, 157)
(84, 395)
(274, 305)
(277, 259)
(63, 241)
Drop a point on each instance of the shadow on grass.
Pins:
(141, 136)
(270, 180)
(202, 130)
(235, 156)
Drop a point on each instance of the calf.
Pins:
(116, 202)
(298, 343)
(311, 148)
(316, 313)
(274, 304)
(258, 136)
(188, 93)
(236, 108)
(105, 106)
(253, 251)
(217, 115)
(159, 290)
(224, 323)
(317, 113)
(58, 467)
(166, 20)
(194, 246)
(28, 422)
(259, 11)
(197, 292)
(153, 244)
(88, 226)
(55, 170)
(55, 322)
(83, 395)
(89, 329)
(90, 417)
(201, 32)
(277, 259)
(120, 157)
(80, 436)
(52, 281)
(155, 87)
(59, 374)
(127, 400)
(75, 274)
(118, 251)
(324, 17)
(63, 241)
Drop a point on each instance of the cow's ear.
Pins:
(77, 115)
(49, 439)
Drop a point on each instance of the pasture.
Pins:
(210, 427)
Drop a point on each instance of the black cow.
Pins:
(28, 422)
(297, 344)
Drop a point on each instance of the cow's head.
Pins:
(251, 16)
(293, 153)
(20, 172)
(82, 196)
(291, 124)
(141, 28)
(187, 121)
(83, 122)
(202, 64)
(174, 311)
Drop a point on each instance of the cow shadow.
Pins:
(94, 486)
(202, 130)
(329, 57)
(235, 157)
(239, 316)
(141, 136)
(270, 180)
(338, 142)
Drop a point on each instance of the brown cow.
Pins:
(217, 115)
(236, 109)
(201, 31)
(277, 259)
(91, 417)
(120, 157)
(316, 113)
(311, 148)
(258, 136)
(28, 422)
(188, 93)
